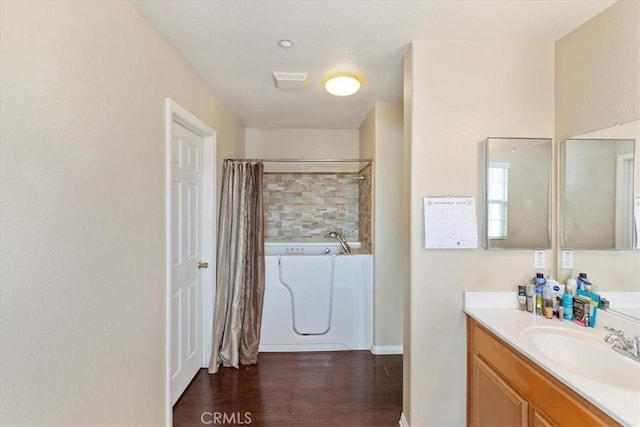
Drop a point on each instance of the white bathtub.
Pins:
(316, 302)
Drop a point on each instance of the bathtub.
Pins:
(316, 300)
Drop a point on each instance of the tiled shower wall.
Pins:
(306, 206)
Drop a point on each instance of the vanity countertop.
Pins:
(503, 319)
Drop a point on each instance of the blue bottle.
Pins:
(567, 303)
(583, 283)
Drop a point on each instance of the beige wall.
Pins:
(306, 144)
(405, 248)
(461, 92)
(82, 278)
(597, 69)
(597, 80)
(381, 140)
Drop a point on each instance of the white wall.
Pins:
(381, 140)
(597, 69)
(303, 144)
(461, 92)
(82, 318)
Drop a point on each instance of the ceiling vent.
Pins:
(290, 81)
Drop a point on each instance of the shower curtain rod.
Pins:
(304, 160)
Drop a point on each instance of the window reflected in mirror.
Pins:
(497, 200)
(518, 193)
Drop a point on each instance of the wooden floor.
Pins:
(341, 388)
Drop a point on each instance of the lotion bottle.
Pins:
(556, 293)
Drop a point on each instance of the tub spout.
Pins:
(341, 239)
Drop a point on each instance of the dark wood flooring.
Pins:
(340, 388)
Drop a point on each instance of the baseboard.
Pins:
(403, 421)
(386, 349)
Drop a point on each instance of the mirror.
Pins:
(517, 191)
(616, 272)
(598, 180)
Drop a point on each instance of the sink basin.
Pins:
(584, 354)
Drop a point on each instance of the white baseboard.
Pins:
(386, 349)
(403, 421)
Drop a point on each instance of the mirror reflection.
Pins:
(518, 189)
(598, 191)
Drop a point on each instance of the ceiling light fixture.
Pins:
(342, 84)
(285, 44)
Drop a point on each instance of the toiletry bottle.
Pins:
(560, 308)
(539, 281)
(547, 298)
(531, 298)
(556, 290)
(567, 302)
(571, 282)
(583, 283)
(522, 297)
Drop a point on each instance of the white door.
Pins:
(624, 238)
(186, 250)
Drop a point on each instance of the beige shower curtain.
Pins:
(240, 267)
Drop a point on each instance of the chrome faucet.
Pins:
(341, 239)
(629, 347)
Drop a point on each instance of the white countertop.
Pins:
(508, 323)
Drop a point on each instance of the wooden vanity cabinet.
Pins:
(504, 388)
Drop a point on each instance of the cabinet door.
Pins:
(495, 402)
(539, 420)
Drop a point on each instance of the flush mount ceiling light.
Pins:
(285, 44)
(342, 84)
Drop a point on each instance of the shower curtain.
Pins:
(240, 267)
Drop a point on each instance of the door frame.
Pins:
(625, 180)
(176, 113)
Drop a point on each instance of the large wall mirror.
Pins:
(598, 181)
(518, 193)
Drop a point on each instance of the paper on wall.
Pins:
(450, 223)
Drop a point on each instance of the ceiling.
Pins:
(233, 46)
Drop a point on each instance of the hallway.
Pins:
(344, 388)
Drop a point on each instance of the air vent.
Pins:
(290, 81)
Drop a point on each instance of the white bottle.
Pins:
(551, 281)
(572, 283)
(557, 290)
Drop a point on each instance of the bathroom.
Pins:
(78, 161)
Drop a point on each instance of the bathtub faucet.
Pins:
(341, 239)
